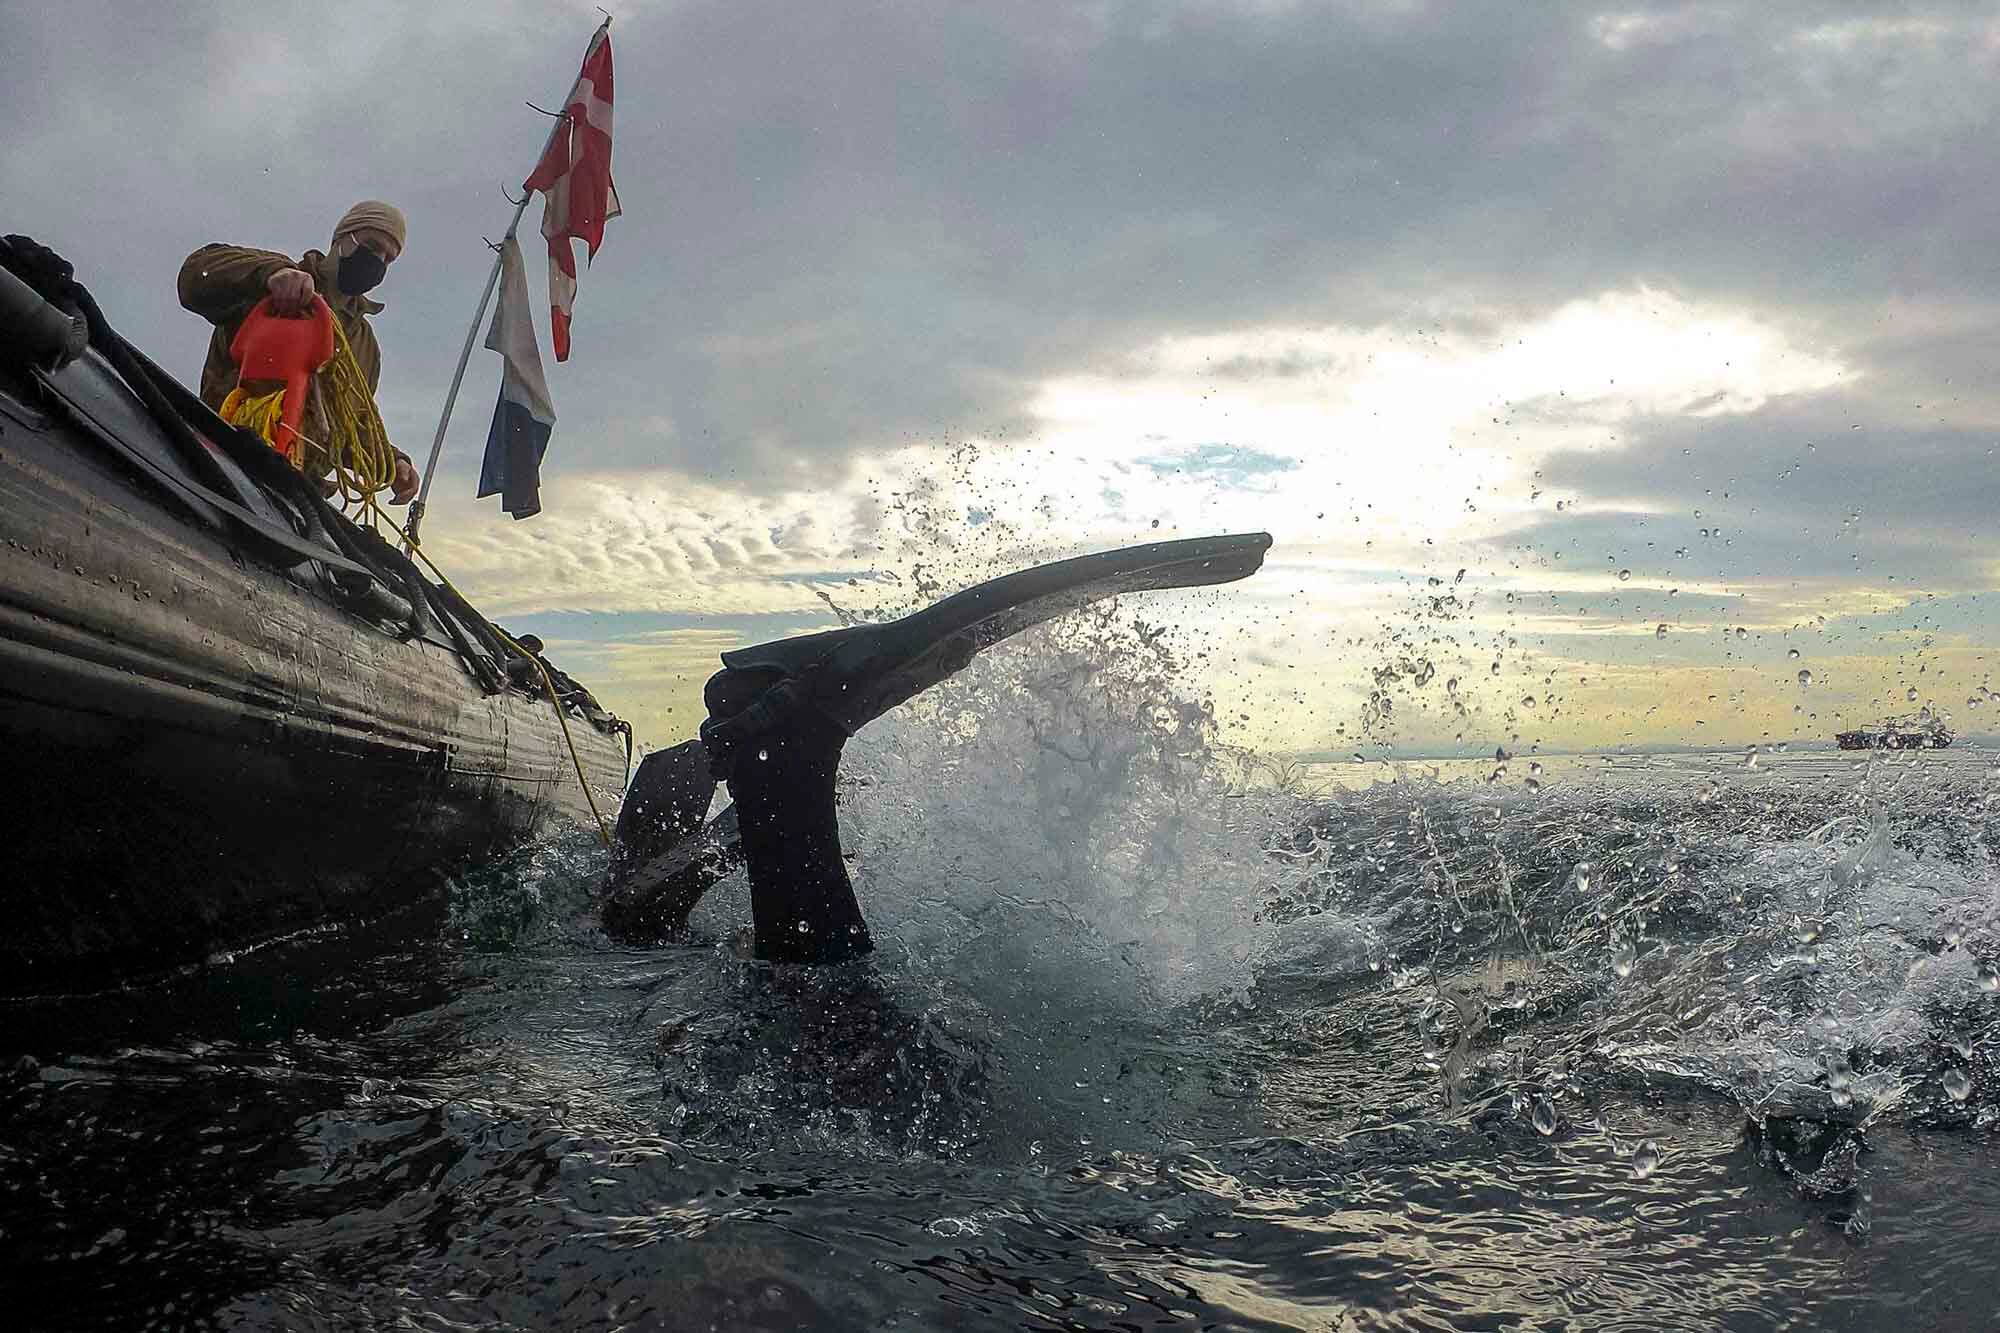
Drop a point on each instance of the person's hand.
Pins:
(403, 486)
(291, 291)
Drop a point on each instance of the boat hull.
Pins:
(207, 751)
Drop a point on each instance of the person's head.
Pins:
(367, 239)
(531, 643)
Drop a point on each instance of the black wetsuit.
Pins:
(779, 755)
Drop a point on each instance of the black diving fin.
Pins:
(666, 806)
(664, 857)
(861, 672)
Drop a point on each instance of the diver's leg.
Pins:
(780, 770)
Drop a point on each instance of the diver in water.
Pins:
(779, 753)
(779, 715)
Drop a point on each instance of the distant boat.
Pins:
(1920, 732)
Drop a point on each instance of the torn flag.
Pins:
(523, 417)
(575, 178)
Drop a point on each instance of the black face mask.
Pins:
(360, 271)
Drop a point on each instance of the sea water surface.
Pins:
(1611, 1042)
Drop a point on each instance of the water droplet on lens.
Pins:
(1805, 679)
(1543, 1114)
(1527, 701)
(1624, 574)
(1957, 1084)
(1793, 654)
(1742, 633)
(1989, 977)
(1534, 770)
(1583, 871)
(764, 754)
(1623, 956)
(1660, 633)
(1911, 694)
(1646, 1160)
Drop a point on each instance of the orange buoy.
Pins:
(270, 347)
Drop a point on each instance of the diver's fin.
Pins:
(665, 806)
(652, 898)
(861, 672)
(664, 858)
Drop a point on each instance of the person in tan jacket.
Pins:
(221, 283)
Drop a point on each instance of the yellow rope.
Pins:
(261, 413)
(548, 685)
(363, 460)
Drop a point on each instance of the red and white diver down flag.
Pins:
(523, 417)
(575, 176)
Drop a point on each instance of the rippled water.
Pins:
(1667, 1043)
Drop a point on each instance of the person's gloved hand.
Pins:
(291, 291)
(403, 486)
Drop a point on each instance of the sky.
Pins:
(1597, 369)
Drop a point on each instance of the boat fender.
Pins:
(34, 330)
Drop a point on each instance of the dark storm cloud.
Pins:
(855, 225)
(1817, 491)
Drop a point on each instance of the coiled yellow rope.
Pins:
(263, 414)
(364, 461)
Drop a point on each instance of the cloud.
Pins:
(908, 299)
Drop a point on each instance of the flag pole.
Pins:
(492, 278)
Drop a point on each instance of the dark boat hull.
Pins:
(206, 752)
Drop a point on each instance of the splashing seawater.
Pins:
(1058, 831)
(1145, 1009)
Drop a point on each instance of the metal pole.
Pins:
(492, 279)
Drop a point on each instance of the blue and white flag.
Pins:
(524, 416)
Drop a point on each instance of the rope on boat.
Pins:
(548, 685)
(264, 414)
(364, 461)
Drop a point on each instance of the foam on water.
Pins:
(1057, 833)
(1061, 796)
(1820, 948)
